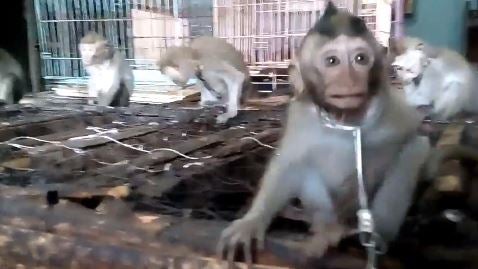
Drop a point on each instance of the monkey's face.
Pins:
(175, 75)
(410, 65)
(337, 73)
(87, 51)
(95, 53)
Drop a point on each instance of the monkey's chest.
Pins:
(338, 169)
(103, 79)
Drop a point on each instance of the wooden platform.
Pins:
(152, 186)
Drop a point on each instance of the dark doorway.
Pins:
(472, 53)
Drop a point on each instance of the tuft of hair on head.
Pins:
(335, 22)
(91, 38)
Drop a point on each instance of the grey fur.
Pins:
(12, 80)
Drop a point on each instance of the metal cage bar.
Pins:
(266, 31)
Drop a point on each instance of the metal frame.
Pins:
(266, 31)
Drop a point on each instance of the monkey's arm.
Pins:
(234, 80)
(394, 197)
(280, 183)
(415, 97)
(452, 100)
(92, 90)
(128, 76)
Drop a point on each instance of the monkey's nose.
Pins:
(397, 68)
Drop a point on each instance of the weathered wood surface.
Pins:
(61, 209)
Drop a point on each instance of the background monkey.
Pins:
(12, 80)
(436, 77)
(223, 77)
(344, 81)
(111, 78)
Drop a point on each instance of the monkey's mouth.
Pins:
(348, 96)
(347, 101)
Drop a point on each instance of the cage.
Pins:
(266, 31)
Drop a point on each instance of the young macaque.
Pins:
(12, 80)
(438, 78)
(111, 80)
(223, 77)
(344, 82)
(295, 79)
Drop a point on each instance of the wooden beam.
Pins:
(34, 62)
(65, 230)
(96, 141)
(164, 156)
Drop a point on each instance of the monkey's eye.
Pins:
(332, 61)
(361, 58)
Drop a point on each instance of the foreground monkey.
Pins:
(295, 79)
(342, 70)
(223, 77)
(111, 78)
(12, 80)
(436, 77)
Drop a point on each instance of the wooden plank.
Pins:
(72, 37)
(21, 246)
(64, 191)
(64, 36)
(222, 156)
(129, 31)
(62, 135)
(66, 227)
(139, 95)
(53, 41)
(161, 157)
(43, 34)
(98, 14)
(34, 64)
(84, 143)
(450, 173)
(121, 26)
(92, 15)
(451, 135)
(47, 125)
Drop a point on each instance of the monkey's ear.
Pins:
(429, 50)
(396, 46)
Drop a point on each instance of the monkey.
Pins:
(295, 80)
(111, 81)
(222, 75)
(438, 78)
(343, 82)
(12, 80)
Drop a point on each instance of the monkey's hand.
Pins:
(327, 236)
(242, 231)
(223, 118)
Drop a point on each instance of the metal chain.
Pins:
(366, 226)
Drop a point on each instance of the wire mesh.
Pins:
(268, 32)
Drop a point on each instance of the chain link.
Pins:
(366, 228)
